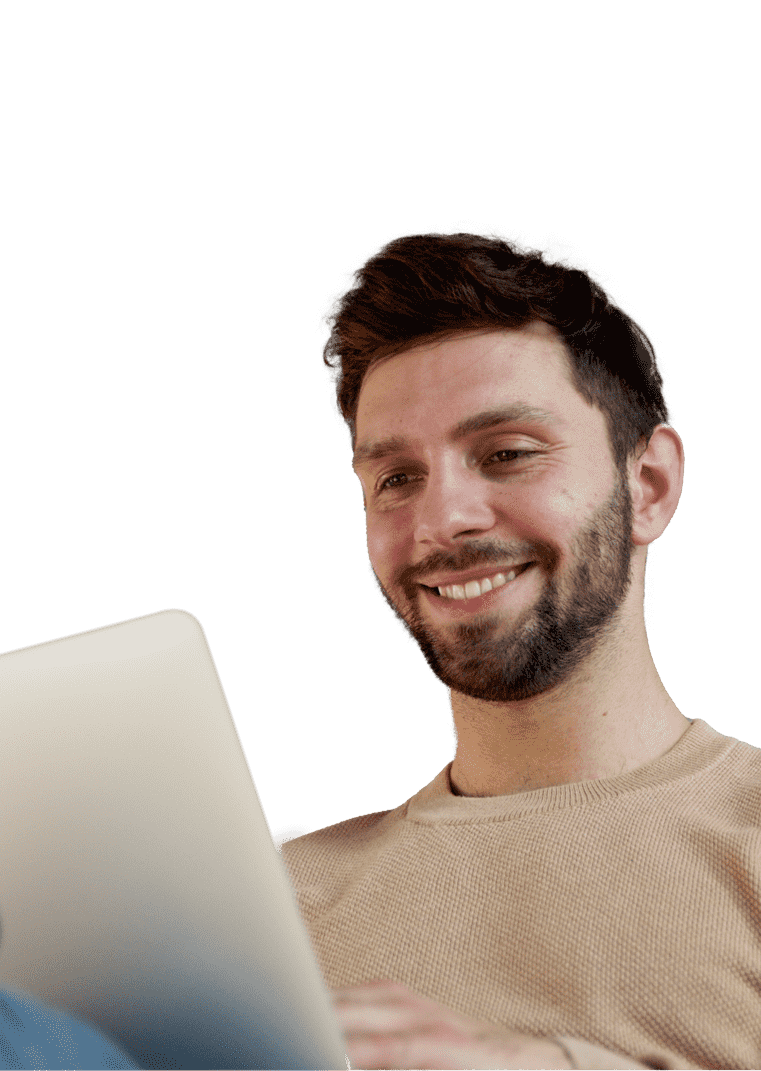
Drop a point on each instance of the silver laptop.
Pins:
(139, 886)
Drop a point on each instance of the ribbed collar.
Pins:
(697, 749)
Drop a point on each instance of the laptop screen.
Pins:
(139, 885)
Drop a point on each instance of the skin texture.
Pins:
(387, 1025)
(551, 677)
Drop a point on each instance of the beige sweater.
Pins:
(622, 916)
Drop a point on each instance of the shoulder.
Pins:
(342, 839)
(321, 863)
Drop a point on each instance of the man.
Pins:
(579, 886)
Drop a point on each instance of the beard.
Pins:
(490, 660)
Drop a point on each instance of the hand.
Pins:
(387, 1025)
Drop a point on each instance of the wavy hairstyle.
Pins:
(427, 287)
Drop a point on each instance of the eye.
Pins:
(516, 453)
(386, 484)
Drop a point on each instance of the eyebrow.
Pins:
(490, 418)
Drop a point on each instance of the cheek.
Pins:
(391, 546)
(548, 518)
(384, 546)
(564, 506)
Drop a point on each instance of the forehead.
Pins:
(428, 389)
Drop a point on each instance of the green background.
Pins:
(184, 184)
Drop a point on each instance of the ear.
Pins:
(655, 480)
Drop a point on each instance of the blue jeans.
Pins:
(34, 1035)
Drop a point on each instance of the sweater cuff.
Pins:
(585, 1056)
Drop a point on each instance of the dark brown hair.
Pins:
(427, 287)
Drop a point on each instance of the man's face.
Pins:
(479, 460)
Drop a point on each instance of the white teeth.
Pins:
(476, 587)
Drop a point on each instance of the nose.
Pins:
(454, 504)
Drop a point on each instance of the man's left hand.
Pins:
(387, 1025)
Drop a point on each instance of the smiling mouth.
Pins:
(474, 588)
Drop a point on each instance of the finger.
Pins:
(404, 1051)
(358, 1017)
(370, 990)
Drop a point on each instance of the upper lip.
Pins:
(446, 579)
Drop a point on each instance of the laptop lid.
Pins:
(139, 885)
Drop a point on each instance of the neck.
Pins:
(611, 717)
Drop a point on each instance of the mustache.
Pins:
(472, 556)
